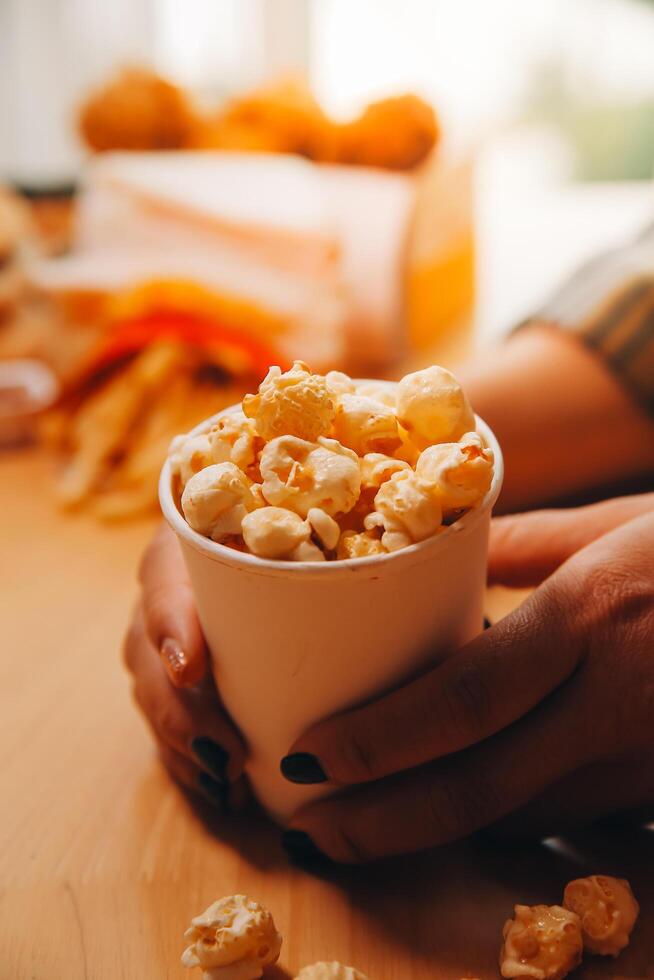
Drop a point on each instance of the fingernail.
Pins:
(174, 659)
(216, 793)
(301, 767)
(212, 756)
(300, 847)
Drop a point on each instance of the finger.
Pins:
(191, 777)
(526, 548)
(449, 799)
(589, 794)
(171, 618)
(192, 721)
(480, 689)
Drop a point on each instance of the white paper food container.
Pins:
(295, 642)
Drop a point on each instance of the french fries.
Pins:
(114, 437)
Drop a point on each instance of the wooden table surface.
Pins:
(103, 861)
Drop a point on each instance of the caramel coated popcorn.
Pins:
(234, 439)
(461, 472)
(296, 403)
(541, 941)
(190, 455)
(302, 475)
(433, 407)
(607, 910)
(366, 425)
(216, 499)
(329, 468)
(234, 939)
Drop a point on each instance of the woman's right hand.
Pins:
(165, 652)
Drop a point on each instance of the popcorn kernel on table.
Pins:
(295, 403)
(607, 909)
(542, 942)
(329, 971)
(433, 407)
(234, 939)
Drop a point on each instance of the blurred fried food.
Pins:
(137, 110)
(113, 427)
(281, 117)
(396, 133)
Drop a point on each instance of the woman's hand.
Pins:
(165, 652)
(544, 720)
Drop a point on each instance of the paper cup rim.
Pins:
(371, 565)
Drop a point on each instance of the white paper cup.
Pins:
(295, 642)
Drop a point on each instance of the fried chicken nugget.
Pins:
(136, 110)
(396, 134)
(282, 117)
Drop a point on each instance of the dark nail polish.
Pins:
(300, 847)
(212, 756)
(487, 623)
(216, 793)
(301, 767)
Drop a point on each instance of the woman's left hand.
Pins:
(543, 721)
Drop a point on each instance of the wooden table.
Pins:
(103, 861)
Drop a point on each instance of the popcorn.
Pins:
(274, 532)
(296, 403)
(329, 971)
(188, 455)
(339, 383)
(301, 475)
(406, 510)
(461, 472)
(324, 527)
(256, 489)
(234, 939)
(365, 425)
(432, 406)
(321, 468)
(407, 450)
(542, 942)
(216, 499)
(380, 391)
(307, 551)
(234, 439)
(376, 468)
(607, 909)
(353, 545)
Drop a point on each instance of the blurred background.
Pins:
(193, 189)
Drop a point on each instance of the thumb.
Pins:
(171, 619)
(526, 548)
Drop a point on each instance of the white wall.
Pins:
(51, 51)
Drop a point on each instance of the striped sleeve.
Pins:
(609, 304)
